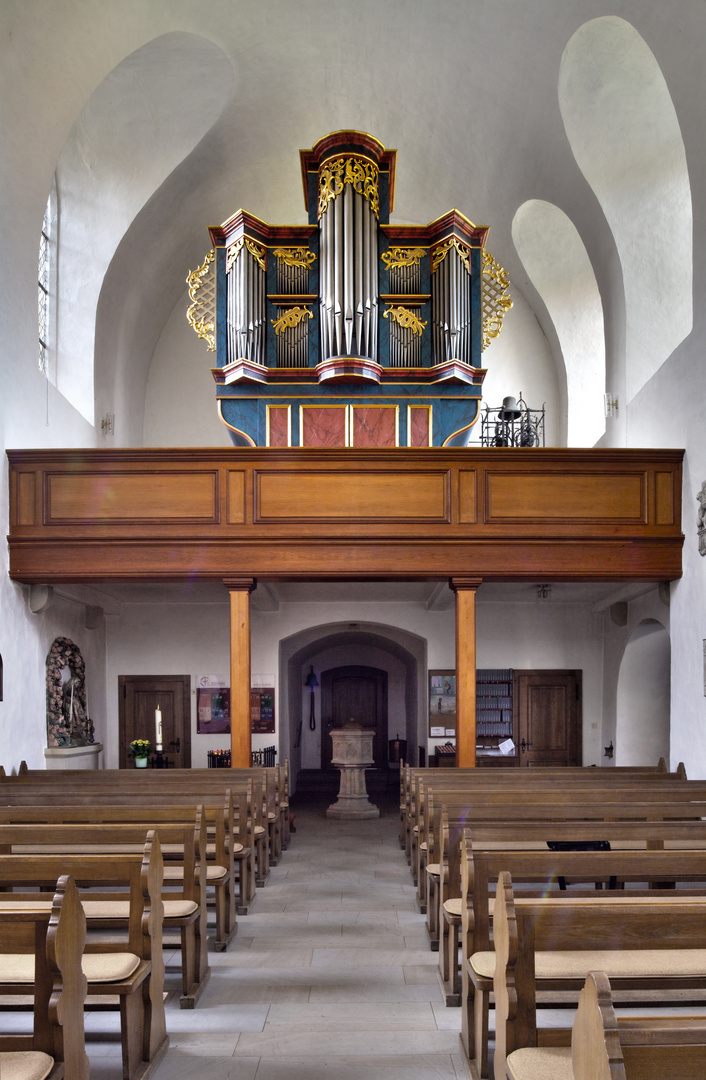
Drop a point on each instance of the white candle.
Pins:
(158, 722)
(71, 707)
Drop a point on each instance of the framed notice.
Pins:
(262, 710)
(442, 703)
(212, 705)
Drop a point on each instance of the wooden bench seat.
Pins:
(658, 944)
(57, 841)
(130, 967)
(54, 937)
(229, 817)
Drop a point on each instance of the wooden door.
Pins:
(547, 707)
(358, 692)
(139, 696)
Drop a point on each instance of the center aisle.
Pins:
(330, 975)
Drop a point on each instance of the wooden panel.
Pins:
(572, 515)
(579, 496)
(374, 426)
(323, 426)
(279, 425)
(26, 495)
(123, 497)
(467, 496)
(419, 425)
(664, 498)
(236, 497)
(360, 496)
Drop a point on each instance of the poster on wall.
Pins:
(442, 704)
(212, 704)
(262, 710)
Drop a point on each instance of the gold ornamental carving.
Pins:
(439, 254)
(295, 256)
(201, 313)
(405, 318)
(401, 256)
(291, 317)
(495, 299)
(363, 176)
(257, 252)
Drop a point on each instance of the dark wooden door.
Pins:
(358, 692)
(139, 697)
(547, 717)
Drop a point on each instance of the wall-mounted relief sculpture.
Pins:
(68, 723)
(701, 519)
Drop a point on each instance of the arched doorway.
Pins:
(643, 697)
(354, 692)
(399, 653)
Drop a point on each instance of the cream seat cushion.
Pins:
(97, 967)
(540, 1063)
(626, 964)
(25, 1065)
(214, 872)
(120, 909)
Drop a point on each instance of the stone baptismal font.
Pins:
(352, 754)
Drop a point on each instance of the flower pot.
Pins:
(140, 762)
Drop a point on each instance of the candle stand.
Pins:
(160, 761)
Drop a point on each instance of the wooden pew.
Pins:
(190, 785)
(270, 803)
(130, 967)
(450, 827)
(557, 793)
(412, 778)
(541, 869)
(648, 943)
(56, 935)
(223, 852)
(184, 897)
(605, 1048)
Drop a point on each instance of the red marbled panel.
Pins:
(323, 426)
(419, 424)
(278, 425)
(375, 427)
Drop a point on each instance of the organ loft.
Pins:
(348, 331)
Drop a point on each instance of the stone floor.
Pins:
(330, 974)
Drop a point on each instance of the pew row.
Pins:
(54, 938)
(130, 965)
(646, 943)
(182, 898)
(605, 1048)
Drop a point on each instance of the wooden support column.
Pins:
(465, 589)
(240, 589)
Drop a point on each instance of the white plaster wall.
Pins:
(180, 399)
(546, 634)
(24, 651)
(642, 735)
(194, 639)
(521, 361)
(168, 639)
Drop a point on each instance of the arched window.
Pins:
(46, 286)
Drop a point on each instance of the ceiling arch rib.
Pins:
(624, 133)
(140, 123)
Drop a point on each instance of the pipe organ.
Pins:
(350, 330)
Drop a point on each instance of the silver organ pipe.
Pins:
(451, 309)
(348, 277)
(246, 308)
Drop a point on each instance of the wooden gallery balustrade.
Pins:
(90, 516)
